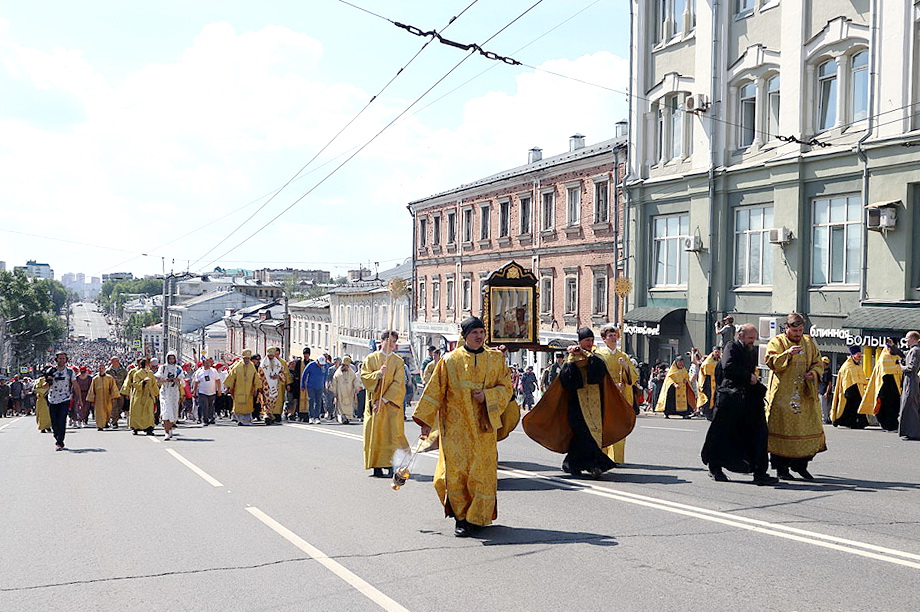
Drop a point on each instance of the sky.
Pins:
(140, 137)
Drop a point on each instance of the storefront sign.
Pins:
(642, 330)
(852, 340)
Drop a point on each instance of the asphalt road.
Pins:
(87, 319)
(284, 518)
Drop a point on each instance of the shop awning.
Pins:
(651, 314)
(887, 318)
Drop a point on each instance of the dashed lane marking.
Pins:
(13, 422)
(208, 478)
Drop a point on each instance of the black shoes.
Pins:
(596, 473)
(763, 480)
(464, 529)
(383, 472)
(804, 473)
(717, 474)
(784, 474)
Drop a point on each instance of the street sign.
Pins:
(136, 344)
(23, 370)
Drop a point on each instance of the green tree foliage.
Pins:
(31, 309)
(138, 321)
(115, 293)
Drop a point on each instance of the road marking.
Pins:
(153, 438)
(341, 434)
(361, 585)
(10, 423)
(668, 428)
(853, 547)
(210, 479)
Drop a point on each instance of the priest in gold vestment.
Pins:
(883, 392)
(383, 376)
(243, 384)
(42, 412)
(676, 396)
(796, 430)
(141, 386)
(848, 394)
(624, 375)
(706, 383)
(102, 394)
(465, 399)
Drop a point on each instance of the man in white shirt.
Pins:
(64, 387)
(205, 384)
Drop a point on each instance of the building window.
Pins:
(451, 228)
(772, 108)
(548, 212)
(659, 132)
(827, 95)
(467, 225)
(671, 261)
(601, 195)
(836, 240)
(744, 7)
(450, 294)
(525, 215)
(859, 86)
(670, 19)
(753, 251)
(546, 294)
(504, 218)
(599, 294)
(571, 295)
(573, 205)
(484, 222)
(677, 120)
(422, 232)
(747, 98)
(421, 296)
(435, 296)
(467, 298)
(436, 230)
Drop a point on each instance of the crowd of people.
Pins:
(590, 398)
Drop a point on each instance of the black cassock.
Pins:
(584, 453)
(850, 416)
(737, 436)
(889, 404)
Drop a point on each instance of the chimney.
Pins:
(534, 155)
(621, 128)
(576, 142)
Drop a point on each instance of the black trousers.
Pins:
(206, 407)
(59, 420)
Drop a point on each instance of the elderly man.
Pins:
(275, 375)
(383, 375)
(796, 430)
(737, 437)
(910, 390)
(243, 385)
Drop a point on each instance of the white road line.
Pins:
(153, 438)
(210, 479)
(329, 432)
(10, 423)
(668, 428)
(853, 547)
(359, 584)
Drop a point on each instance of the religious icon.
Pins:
(509, 306)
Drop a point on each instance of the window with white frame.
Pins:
(504, 218)
(772, 107)
(671, 261)
(435, 295)
(599, 294)
(672, 18)
(436, 230)
(484, 221)
(546, 294)
(466, 299)
(467, 225)
(451, 228)
(571, 294)
(421, 296)
(859, 86)
(422, 232)
(525, 214)
(601, 195)
(449, 287)
(827, 95)
(676, 116)
(573, 205)
(836, 252)
(753, 251)
(747, 107)
(548, 213)
(744, 7)
(659, 132)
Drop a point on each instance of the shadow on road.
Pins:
(528, 466)
(619, 476)
(185, 439)
(669, 468)
(86, 450)
(528, 484)
(503, 535)
(834, 483)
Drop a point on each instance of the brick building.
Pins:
(561, 217)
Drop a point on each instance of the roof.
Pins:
(205, 297)
(650, 314)
(887, 318)
(368, 285)
(547, 162)
(317, 302)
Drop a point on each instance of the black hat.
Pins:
(432, 348)
(560, 355)
(469, 324)
(585, 332)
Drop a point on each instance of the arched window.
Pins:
(827, 95)
(859, 86)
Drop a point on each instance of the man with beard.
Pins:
(737, 437)
(848, 394)
(274, 382)
(909, 428)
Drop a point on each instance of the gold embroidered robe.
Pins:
(624, 377)
(384, 430)
(794, 421)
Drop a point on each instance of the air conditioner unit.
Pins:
(693, 244)
(882, 217)
(780, 235)
(767, 327)
(696, 103)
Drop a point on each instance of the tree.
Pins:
(115, 293)
(30, 310)
(138, 321)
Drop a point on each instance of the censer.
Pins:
(403, 471)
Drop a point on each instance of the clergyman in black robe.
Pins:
(737, 437)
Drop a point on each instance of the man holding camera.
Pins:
(63, 389)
